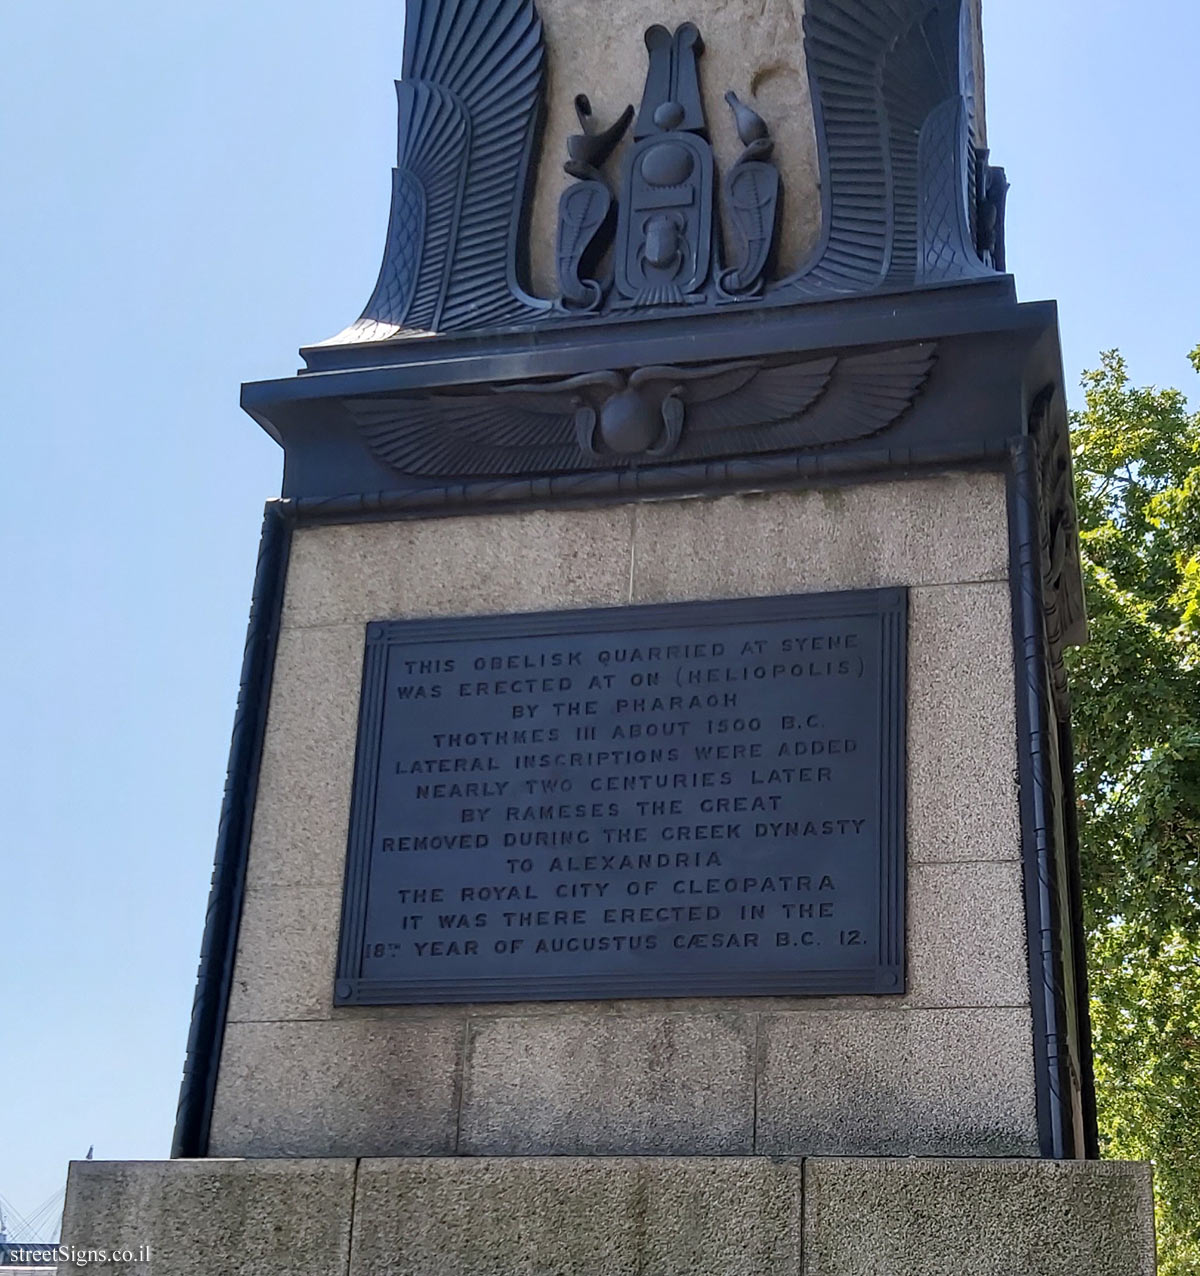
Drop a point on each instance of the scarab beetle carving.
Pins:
(665, 225)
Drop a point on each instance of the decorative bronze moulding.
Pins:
(908, 197)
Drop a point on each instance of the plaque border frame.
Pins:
(886, 978)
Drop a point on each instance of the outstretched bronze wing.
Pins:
(868, 393)
(468, 105)
(894, 99)
(511, 430)
(746, 407)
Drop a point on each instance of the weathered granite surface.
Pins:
(685, 1077)
(615, 1216)
(604, 1084)
(910, 1083)
(978, 1218)
(200, 1218)
(612, 1216)
(348, 1088)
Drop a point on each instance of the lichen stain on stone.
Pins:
(764, 74)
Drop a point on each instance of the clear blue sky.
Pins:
(191, 192)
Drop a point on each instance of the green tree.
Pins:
(1136, 690)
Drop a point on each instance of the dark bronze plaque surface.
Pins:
(678, 800)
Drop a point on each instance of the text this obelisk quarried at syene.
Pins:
(676, 800)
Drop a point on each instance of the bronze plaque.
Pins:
(681, 800)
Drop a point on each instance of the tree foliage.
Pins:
(1136, 690)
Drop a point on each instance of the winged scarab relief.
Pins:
(614, 419)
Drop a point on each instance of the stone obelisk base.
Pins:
(570, 1216)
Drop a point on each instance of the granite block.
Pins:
(486, 564)
(605, 1084)
(927, 531)
(966, 935)
(286, 954)
(897, 1083)
(197, 1218)
(962, 732)
(302, 808)
(614, 1216)
(977, 1218)
(348, 1088)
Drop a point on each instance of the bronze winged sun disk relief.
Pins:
(619, 419)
